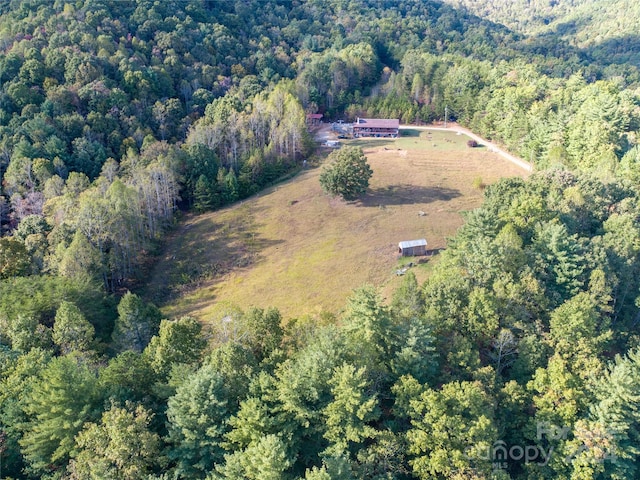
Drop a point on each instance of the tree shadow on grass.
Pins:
(406, 195)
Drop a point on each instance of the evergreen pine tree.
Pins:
(203, 196)
(611, 439)
(349, 416)
(198, 418)
(136, 324)
(231, 182)
(63, 399)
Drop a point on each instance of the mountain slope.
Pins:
(605, 30)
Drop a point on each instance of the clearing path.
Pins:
(481, 141)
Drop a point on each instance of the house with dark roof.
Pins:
(376, 127)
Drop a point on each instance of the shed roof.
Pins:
(413, 243)
(377, 123)
(315, 116)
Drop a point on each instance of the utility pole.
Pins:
(446, 111)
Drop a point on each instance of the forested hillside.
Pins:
(116, 115)
(148, 104)
(551, 121)
(605, 31)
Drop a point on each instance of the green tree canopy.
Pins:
(178, 341)
(121, 445)
(62, 400)
(71, 330)
(351, 413)
(14, 258)
(348, 173)
(198, 419)
(136, 324)
(452, 428)
(266, 459)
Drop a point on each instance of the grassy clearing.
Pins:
(295, 248)
(419, 141)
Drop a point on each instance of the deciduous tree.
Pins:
(178, 341)
(347, 175)
(14, 258)
(121, 445)
(71, 330)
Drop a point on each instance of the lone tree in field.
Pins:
(348, 173)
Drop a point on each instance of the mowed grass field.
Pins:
(294, 248)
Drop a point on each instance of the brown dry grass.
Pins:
(294, 248)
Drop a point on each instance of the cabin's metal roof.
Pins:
(377, 123)
(413, 243)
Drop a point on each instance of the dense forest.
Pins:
(596, 26)
(518, 358)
